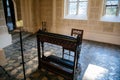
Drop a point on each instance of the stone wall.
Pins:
(3, 28)
(94, 29)
(30, 15)
(17, 6)
(93, 23)
(33, 12)
(5, 38)
(52, 11)
(46, 12)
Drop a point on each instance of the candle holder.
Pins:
(20, 27)
(44, 26)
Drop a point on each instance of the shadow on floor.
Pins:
(100, 54)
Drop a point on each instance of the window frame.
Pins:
(77, 15)
(117, 10)
(110, 18)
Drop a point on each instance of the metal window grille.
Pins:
(112, 7)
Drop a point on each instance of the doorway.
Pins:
(9, 14)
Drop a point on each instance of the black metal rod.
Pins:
(22, 54)
(39, 52)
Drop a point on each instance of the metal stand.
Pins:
(44, 26)
(22, 53)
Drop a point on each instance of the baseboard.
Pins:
(106, 38)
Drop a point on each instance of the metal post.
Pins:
(22, 54)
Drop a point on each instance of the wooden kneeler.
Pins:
(59, 65)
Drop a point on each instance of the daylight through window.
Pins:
(76, 7)
(112, 7)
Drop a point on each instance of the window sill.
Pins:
(75, 17)
(110, 19)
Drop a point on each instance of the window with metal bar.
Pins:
(112, 7)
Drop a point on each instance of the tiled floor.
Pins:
(103, 55)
